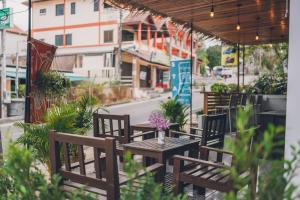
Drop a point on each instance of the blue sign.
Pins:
(181, 80)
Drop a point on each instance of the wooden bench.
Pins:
(100, 177)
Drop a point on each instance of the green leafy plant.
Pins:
(175, 112)
(275, 83)
(20, 178)
(276, 183)
(148, 188)
(74, 117)
(52, 83)
(22, 89)
(219, 88)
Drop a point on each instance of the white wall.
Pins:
(293, 97)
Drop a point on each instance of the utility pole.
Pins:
(118, 66)
(3, 70)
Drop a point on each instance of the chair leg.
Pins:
(229, 120)
(178, 165)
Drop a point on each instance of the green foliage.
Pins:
(276, 183)
(75, 117)
(21, 179)
(22, 90)
(52, 83)
(148, 188)
(202, 54)
(214, 56)
(175, 112)
(275, 83)
(219, 88)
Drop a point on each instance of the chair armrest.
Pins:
(186, 134)
(199, 161)
(216, 150)
(196, 129)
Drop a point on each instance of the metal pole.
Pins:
(28, 70)
(17, 72)
(118, 68)
(3, 72)
(238, 68)
(243, 66)
(191, 73)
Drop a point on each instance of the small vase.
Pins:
(161, 137)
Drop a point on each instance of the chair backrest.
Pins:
(116, 126)
(64, 142)
(214, 130)
(233, 100)
(243, 100)
(259, 99)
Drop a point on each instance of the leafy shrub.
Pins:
(22, 90)
(21, 179)
(275, 83)
(75, 117)
(52, 83)
(219, 88)
(148, 188)
(175, 112)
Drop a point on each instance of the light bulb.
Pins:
(238, 26)
(270, 45)
(257, 36)
(212, 11)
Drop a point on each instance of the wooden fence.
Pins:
(212, 100)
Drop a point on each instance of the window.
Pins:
(106, 5)
(43, 11)
(68, 39)
(96, 5)
(59, 9)
(73, 8)
(127, 35)
(108, 36)
(59, 40)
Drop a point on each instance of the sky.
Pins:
(20, 14)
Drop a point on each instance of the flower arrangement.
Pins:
(158, 121)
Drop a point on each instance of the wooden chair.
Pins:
(90, 177)
(118, 127)
(202, 173)
(212, 134)
(231, 107)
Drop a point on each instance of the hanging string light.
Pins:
(212, 10)
(238, 26)
(257, 35)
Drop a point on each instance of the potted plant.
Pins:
(160, 123)
(200, 115)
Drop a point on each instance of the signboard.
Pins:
(5, 18)
(229, 56)
(181, 80)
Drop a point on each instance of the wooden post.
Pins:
(148, 36)
(162, 41)
(155, 39)
(140, 33)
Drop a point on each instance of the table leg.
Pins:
(162, 160)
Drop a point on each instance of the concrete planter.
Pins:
(274, 102)
(16, 108)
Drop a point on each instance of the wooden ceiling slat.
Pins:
(271, 13)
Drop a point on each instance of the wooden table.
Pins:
(173, 146)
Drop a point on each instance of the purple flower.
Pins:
(158, 121)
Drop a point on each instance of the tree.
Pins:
(214, 56)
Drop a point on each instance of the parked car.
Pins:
(227, 73)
